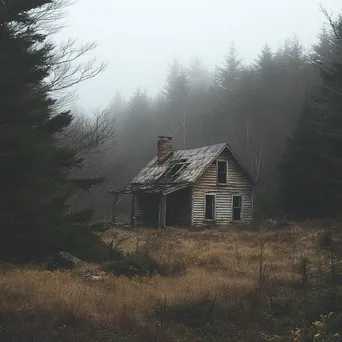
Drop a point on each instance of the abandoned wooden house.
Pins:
(195, 187)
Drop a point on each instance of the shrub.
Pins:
(175, 269)
(322, 330)
(64, 261)
(85, 244)
(135, 264)
(142, 264)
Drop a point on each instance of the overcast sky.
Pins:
(138, 38)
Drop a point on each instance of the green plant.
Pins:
(320, 331)
(323, 330)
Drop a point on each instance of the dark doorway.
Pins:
(146, 209)
(178, 208)
(210, 207)
(237, 208)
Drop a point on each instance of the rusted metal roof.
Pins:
(181, 169)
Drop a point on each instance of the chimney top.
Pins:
(164, 148)
(163, 137)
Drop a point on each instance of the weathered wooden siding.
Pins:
(137, 212)
(236, 177)
(238, 184)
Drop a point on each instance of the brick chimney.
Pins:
(164, 148)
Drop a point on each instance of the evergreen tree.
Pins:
(301, 183)
(227, 77)
(267, 68)
(199, 78)
(177, 85)
(34, 174)
(199, 104)
(138, 105)
(229, 102)
(138, 128)
(312, 165)
(118, 106)
(292, 55)
(265, 58)
(323, 51)
(177, 91)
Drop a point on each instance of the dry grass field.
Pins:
(224, 280)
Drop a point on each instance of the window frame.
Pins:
(205, 206)
(217, 171)
(241, 212)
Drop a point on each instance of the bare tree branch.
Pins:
(48, 16)
(118, 239)
(86, 133)
(67, 62)
(65, 72)
(334, 24)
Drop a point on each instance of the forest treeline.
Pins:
(254, 107)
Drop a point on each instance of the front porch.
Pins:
(157, 206)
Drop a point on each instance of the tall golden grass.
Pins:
(220, 264)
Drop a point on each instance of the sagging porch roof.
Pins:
(157, 189)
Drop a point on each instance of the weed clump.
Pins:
(135, 264)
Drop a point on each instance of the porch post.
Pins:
(132, 210)
(114, 208)
(162, 212)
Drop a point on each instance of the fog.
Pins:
(139, 38)
(220, 121)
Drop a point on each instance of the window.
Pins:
(237, 208)
(210, 207)
(222, 172)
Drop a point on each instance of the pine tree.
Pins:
(266, 66)
(177, 84)
(301, 181)
(322, 54)
(34, 174)
(292, 55)
(227, 94)
(312, 165)
(176, 90)
(199, 78)
(265, 58)
(138, 127)
(138, 104)
(118, 105)
(199, 104)
(228, 76)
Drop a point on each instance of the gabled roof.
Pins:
(160, 177)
